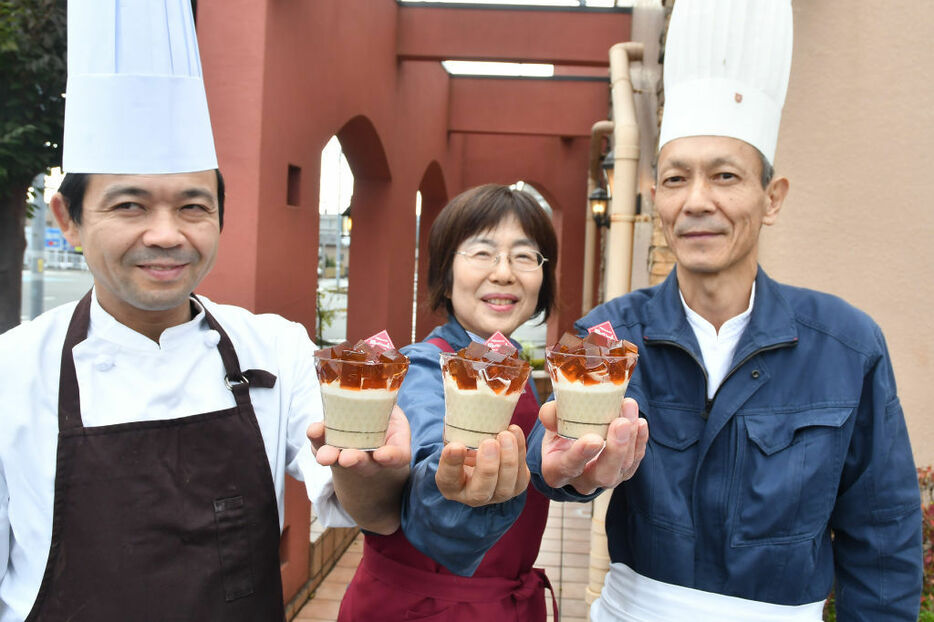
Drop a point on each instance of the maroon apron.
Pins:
(395, 581)
(162, 521)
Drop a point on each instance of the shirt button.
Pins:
(103, 362)
(212, 338)
(755, 374)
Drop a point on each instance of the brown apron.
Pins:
(395, 581)
(162, 521)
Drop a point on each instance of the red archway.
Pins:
(434, 198)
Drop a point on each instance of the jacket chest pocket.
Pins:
(662, 485)
(788, 474)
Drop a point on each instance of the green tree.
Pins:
(32, 81)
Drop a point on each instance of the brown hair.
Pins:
(481, 209)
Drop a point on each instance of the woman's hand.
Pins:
(493, 473)
(588, 463)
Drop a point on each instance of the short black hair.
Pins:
(74, 185)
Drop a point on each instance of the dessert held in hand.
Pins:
(359, 385)
(482, 384)
(590, 377)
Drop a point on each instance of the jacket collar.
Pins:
(771, 323)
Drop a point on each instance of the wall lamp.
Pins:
(598, 200)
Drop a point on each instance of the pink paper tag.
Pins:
(381, 341)
(605, 329)
(497, 340)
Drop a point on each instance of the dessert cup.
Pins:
(358, 396)
(589, 389)
(480, 395)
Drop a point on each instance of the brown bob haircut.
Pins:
(481, 209)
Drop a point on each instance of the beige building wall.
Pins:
(857, 143)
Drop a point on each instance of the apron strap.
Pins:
(69, 398)
(531, 586)
(237, 381)
(441, 344)
(260, 378)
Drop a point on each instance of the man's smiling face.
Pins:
(711, 203)
(148, 239)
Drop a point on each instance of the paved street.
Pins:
(59, 287)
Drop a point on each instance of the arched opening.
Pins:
(379, 274)
(334, 227)
(431, 198)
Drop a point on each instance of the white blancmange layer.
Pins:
(356, 418)
(589, 408)
(474, 415)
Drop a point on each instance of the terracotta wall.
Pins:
(855, 142)
(283, 77)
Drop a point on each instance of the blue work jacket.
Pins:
(798, 470)
(451, 533)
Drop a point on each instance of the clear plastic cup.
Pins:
(358, 397)
(589, 390)
(482, 404)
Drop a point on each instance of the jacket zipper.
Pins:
(708, 403)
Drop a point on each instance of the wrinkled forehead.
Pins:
(701, 151)
(101, 186)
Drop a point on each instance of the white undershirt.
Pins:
(717, 348)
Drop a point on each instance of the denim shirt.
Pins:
(799, 469)
(451, 533)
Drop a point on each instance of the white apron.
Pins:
(627, 596)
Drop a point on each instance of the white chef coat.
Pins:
(124, 376)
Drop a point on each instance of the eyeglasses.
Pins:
(522, 260)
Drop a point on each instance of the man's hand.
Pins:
(396, 451)
(493, 473)
(587, 463)
(369, 483)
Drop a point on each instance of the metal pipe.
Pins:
(594, 173)
(625, 167)
(622, 210)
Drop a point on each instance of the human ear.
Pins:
(68, 226)
(775, 194)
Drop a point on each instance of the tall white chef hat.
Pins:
(135, 100)
(726, 70)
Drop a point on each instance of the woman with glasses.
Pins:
(492, 255)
